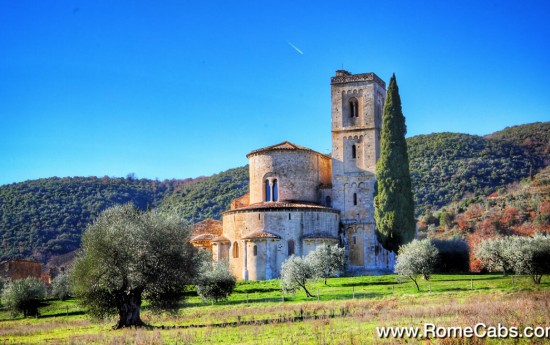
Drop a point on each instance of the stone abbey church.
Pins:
(300, 198)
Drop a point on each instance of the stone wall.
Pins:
(289, 224)
(299, 174)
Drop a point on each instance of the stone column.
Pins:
(245, 269)
(268, 271)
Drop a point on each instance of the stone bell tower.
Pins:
(357, 106)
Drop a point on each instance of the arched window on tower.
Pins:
(255, 250)
(353, 107)
(235, 249)
(355, 199)
(290, 247)
(267, 191)
(328, 201)
(275, 190)
(353, 151)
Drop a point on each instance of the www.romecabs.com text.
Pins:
(480, 330)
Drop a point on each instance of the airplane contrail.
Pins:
(295, 48)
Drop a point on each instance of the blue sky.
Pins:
(178, 89)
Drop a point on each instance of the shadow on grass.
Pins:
(366, 284)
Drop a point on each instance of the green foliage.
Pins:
(523, 255)
(417, 258)
(209, 197)
(215, 281)
(296, 272)
(127, 255)
(23, 296)
(61, 286)
(327, 261)
(394, 206)
(46, 217)
(535, 137)
(446, 167)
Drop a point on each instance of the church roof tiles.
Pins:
(284, 146)
(261, 234)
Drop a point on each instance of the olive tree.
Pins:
(215, 281)
(23, 295)
(495, 255)
(128, 255)
(522, 255)
(296, 272)
(327, 261)
(416, 258)
(61, 288)
(530, 255)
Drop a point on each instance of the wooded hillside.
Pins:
(46, 217)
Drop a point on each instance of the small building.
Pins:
(20, 269)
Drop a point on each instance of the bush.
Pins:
(24, 296)
(454, 256)
(416, 258)
(215, 282)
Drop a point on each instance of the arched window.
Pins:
(275, 190)
(353, 107)
(255, 250)
(235, 249)
(354, 199)
(290, 247)
(267, 191)
(353, 151)
(328, 201)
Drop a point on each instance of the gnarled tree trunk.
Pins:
(129, 309)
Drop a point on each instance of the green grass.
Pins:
(347, 312)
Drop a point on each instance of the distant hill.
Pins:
(210, 197)
(521, 208)
(446, 167)
(46, 217)
(535, 137)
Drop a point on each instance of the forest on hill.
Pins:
(521, 208)
(46, 217)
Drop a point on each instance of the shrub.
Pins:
(215, 282)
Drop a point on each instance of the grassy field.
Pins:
(346, 311)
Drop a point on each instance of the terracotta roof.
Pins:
(282, 205)
(320, 235)
(260, 234)
(284, 146)
(221, 239)
(207, 226)
(203, 237)
(241, 201)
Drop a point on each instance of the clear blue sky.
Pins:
(176, 89)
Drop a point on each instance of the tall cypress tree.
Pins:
(394, 205)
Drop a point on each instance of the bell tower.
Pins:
(357, 106)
